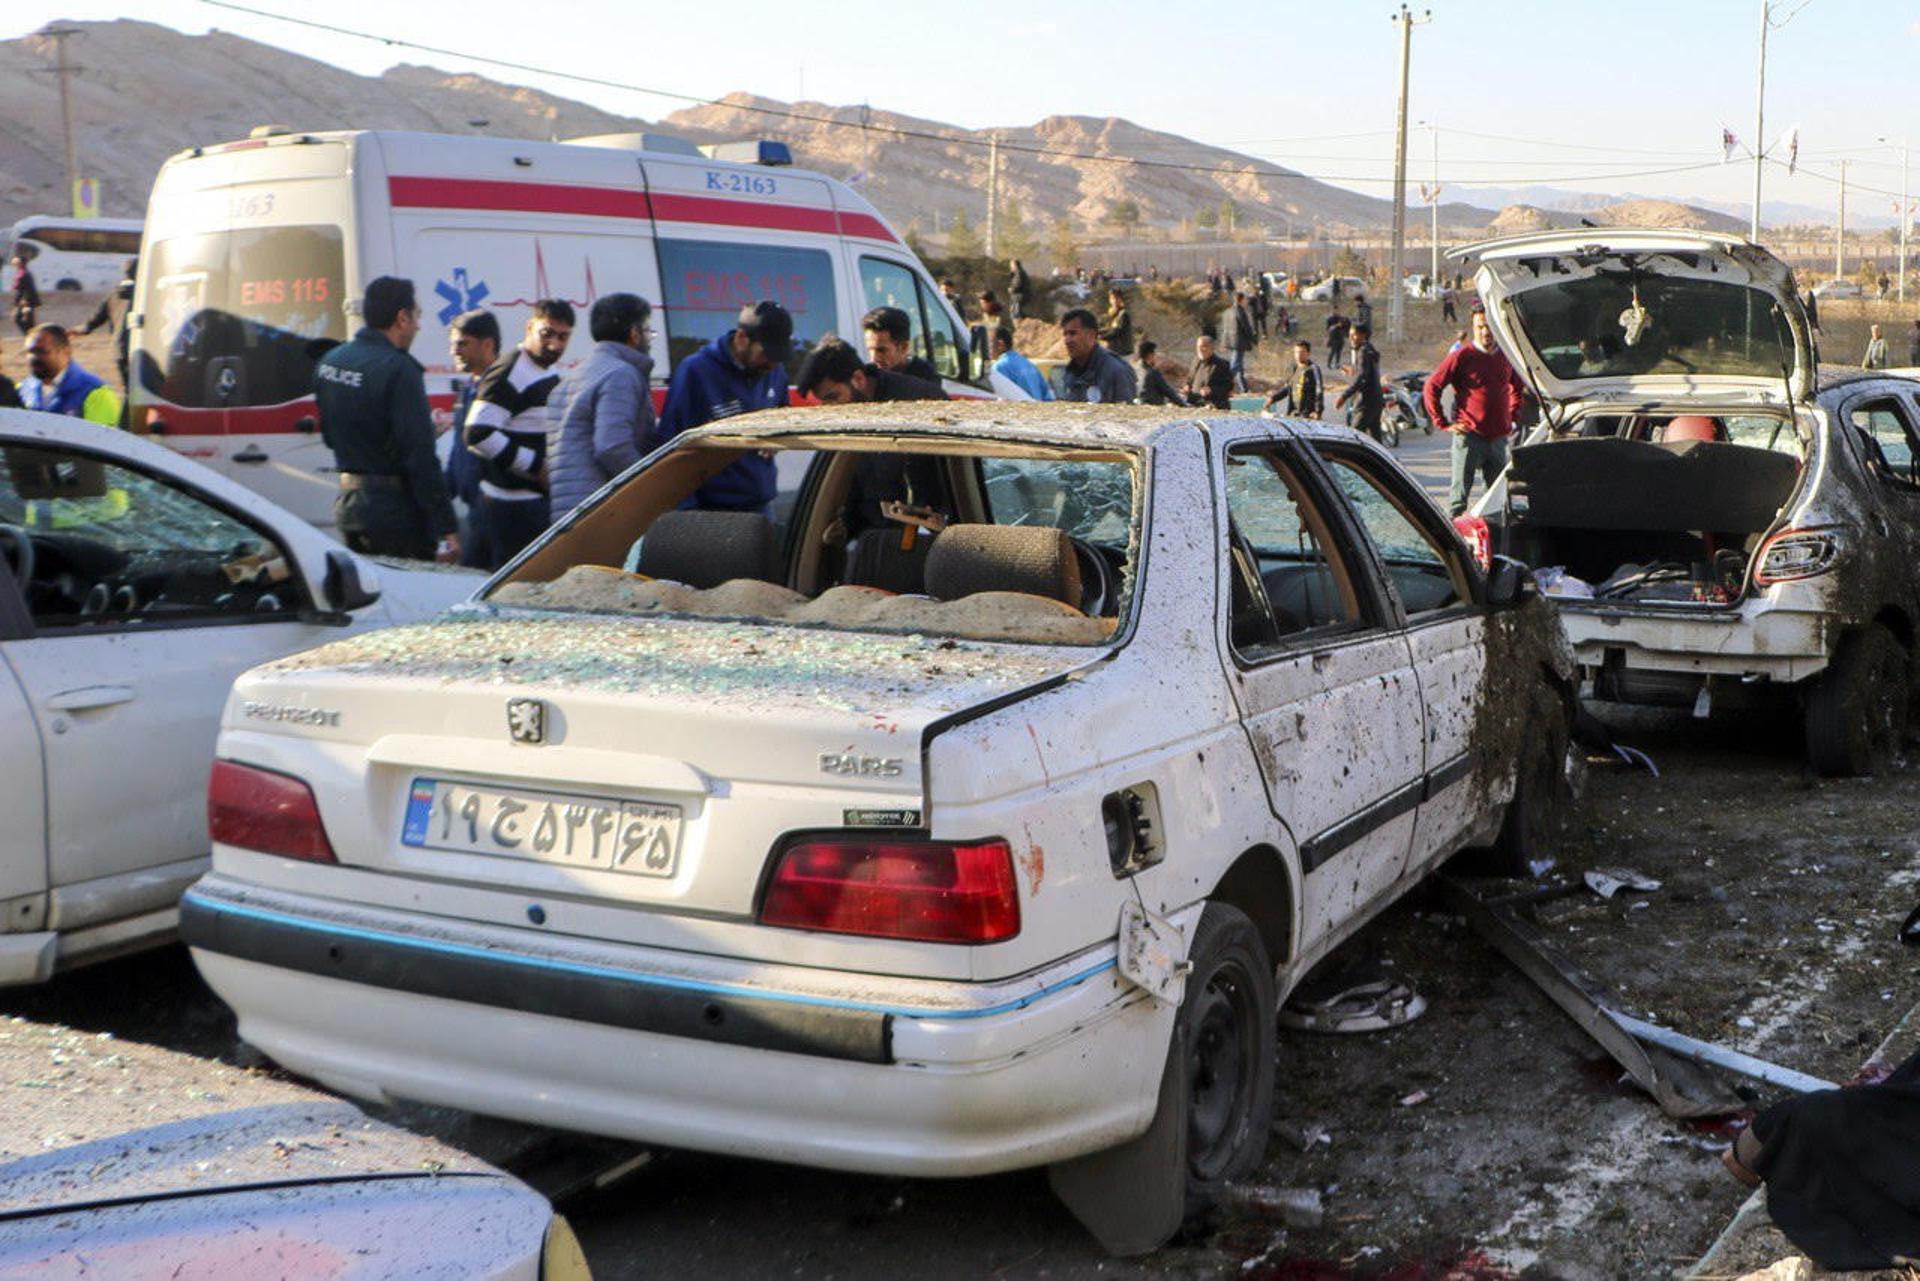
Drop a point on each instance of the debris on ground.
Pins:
(1609, 881)
(1295, 1207)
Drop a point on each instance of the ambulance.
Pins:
(259, 250)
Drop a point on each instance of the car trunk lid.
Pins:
(1637, 314)
(708, 740)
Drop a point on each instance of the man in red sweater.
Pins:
(1486, 396)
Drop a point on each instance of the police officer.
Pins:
(374, 416)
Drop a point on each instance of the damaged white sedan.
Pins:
(972, 813)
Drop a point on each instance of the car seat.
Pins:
(707, 548)
(882, 558)
(1035, 559)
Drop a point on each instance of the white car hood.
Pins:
(1718, 315)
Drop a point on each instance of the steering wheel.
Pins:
(17, 546)
(1096, 579)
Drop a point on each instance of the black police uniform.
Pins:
(374, 417)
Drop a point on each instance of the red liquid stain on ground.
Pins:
(1469, 1265)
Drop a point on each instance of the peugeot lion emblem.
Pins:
(527, 720)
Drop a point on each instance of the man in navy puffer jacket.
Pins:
(742, 370)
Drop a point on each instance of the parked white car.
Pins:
(135, 585)
(746, 852)
(1322, 291)
(1838, 288)
(1728, 528)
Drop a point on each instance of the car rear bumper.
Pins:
(856, 1072)
(1771, 644)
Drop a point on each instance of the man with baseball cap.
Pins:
(742, 370)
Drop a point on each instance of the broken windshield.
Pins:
(1614, 324)
(981, 540)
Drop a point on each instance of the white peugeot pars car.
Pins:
(134, 586)
(973, 813)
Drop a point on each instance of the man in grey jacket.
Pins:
(607, 422)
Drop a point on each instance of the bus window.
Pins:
(705, 283)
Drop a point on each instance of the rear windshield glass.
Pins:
(1031, 544)
(1590, 327)
(238, 318)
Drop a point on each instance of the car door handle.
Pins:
(88, 697)
(251, 454)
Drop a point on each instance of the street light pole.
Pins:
(1433, 209)
(1760, 121)
(1397, 294)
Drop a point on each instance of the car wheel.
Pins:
(1226, 1031)
(1856, 715)
(1542, 801)
(1214, 1106)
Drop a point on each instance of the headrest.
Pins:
(706, 549)
(1691, 427)
(1035, 559)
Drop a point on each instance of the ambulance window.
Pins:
(888, 284)
(238, 318)
(705, 283)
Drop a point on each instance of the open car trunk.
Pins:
(1640, 522)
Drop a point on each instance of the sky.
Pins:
(1521, 91)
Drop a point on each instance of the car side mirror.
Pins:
(1509, 583)
(347, 587)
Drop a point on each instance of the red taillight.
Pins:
(937, 891)
(257, 809)
(1479, 538)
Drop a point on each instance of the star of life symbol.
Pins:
(460, 295)
(527, 720)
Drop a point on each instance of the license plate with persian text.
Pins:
(641, 838)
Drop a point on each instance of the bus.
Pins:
(86, 254)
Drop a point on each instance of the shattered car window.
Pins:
(1090, 501)
(858, 546)
(1608, 325)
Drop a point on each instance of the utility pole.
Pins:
(993, 196)
(1840, 229)
(1433, 209)
(66, 70)
(1760, 120)
(1396, 291)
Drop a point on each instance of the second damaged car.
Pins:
(973, 812)
(1722, 524)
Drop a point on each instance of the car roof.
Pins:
(1041, 422)
(1835, 376)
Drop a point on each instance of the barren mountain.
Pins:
(146, 91)
(1515, 219)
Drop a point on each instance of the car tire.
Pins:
(1857, 710)
(1226, 1032)
(1536, 817)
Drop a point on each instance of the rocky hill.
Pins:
(146, 91)
(1515, 219)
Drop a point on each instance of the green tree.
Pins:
(1349, 263)
(1125, 215)
(1061, 245)
(1017, 239)
(962, 240)
(1229, 216)
(916, 242)
(1207, 219)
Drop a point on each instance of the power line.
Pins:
(953, 140)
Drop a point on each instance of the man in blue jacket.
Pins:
(742, 370)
